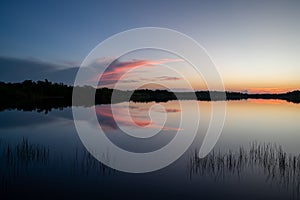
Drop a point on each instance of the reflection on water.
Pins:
(277, 166)
(25, 159)
(41, 156)
(122, 122)
(135, 114)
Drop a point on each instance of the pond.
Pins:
(256, 156)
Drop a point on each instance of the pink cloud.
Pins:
(117, 69)
(162, 78)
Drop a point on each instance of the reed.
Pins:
(85, 163)
(278, 166)
(21, 160)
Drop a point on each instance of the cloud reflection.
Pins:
(110, 116)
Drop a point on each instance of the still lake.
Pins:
(256, 156)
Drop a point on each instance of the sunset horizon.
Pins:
(139, 99)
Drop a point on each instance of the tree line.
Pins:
(45, 95)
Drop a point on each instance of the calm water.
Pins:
(256, 157)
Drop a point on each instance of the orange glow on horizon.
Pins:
(269, 90)
(188, 80)
(260, 89)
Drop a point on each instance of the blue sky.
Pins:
(248, 40)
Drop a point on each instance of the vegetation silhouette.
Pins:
(24, 159)
(277, 165)
(45, 95)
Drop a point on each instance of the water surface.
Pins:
(41, 155)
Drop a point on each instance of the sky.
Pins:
(254, 44)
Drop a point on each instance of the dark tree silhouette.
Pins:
(45, 95)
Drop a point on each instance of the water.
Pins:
(256, 156)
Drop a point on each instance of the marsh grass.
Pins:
(18, 160)
(278, 166)
(85, 163)
(21, 160)
(23, 154)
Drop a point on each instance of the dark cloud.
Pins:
(17, 70)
